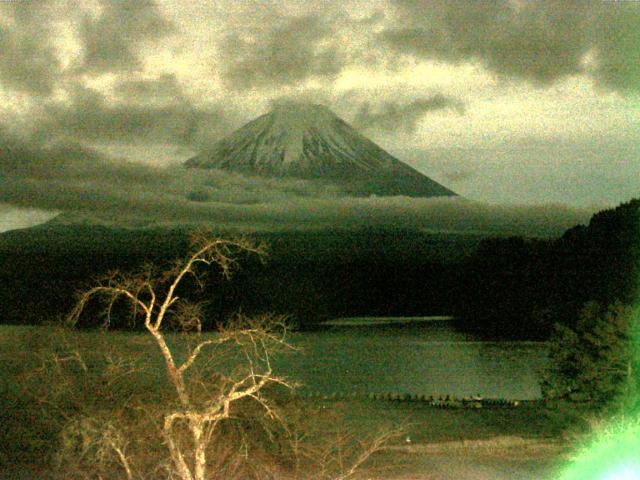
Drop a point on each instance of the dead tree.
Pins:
(153, 298)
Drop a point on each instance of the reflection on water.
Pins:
(429, 359)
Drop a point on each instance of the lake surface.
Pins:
(421, 357)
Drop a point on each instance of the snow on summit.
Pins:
(309, 141)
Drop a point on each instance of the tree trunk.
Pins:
(176, 455)
(199, 456)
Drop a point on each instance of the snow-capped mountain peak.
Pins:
(310, 141)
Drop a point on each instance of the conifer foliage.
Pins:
(595, 363)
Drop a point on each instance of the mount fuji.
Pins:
(312, 143)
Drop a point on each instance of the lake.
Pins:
(414, 356)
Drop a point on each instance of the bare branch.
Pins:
(375, 445)
(196, 351)
(112, 293)
(155, 297)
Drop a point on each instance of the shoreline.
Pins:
(371, 321)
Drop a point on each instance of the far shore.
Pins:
(361, 321)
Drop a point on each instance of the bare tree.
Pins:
(199, 407)
(328, 450)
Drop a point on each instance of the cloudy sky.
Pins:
(508, 103)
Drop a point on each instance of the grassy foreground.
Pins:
(522, 442)
(527, 442)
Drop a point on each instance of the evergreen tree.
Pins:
(595, 363)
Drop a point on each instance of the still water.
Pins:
(416, 357)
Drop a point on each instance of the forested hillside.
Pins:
(508, 287)
(519, 288)
(310, 275)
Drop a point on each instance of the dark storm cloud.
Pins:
(144, 111)
(295, 49)
(111, 42)
(28, 61)
(538, 40)
(28, 160)
(392, 116)
(617, 41)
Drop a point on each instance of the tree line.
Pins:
(520, 288)
(510, 287)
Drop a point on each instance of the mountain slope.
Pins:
(311, 142)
